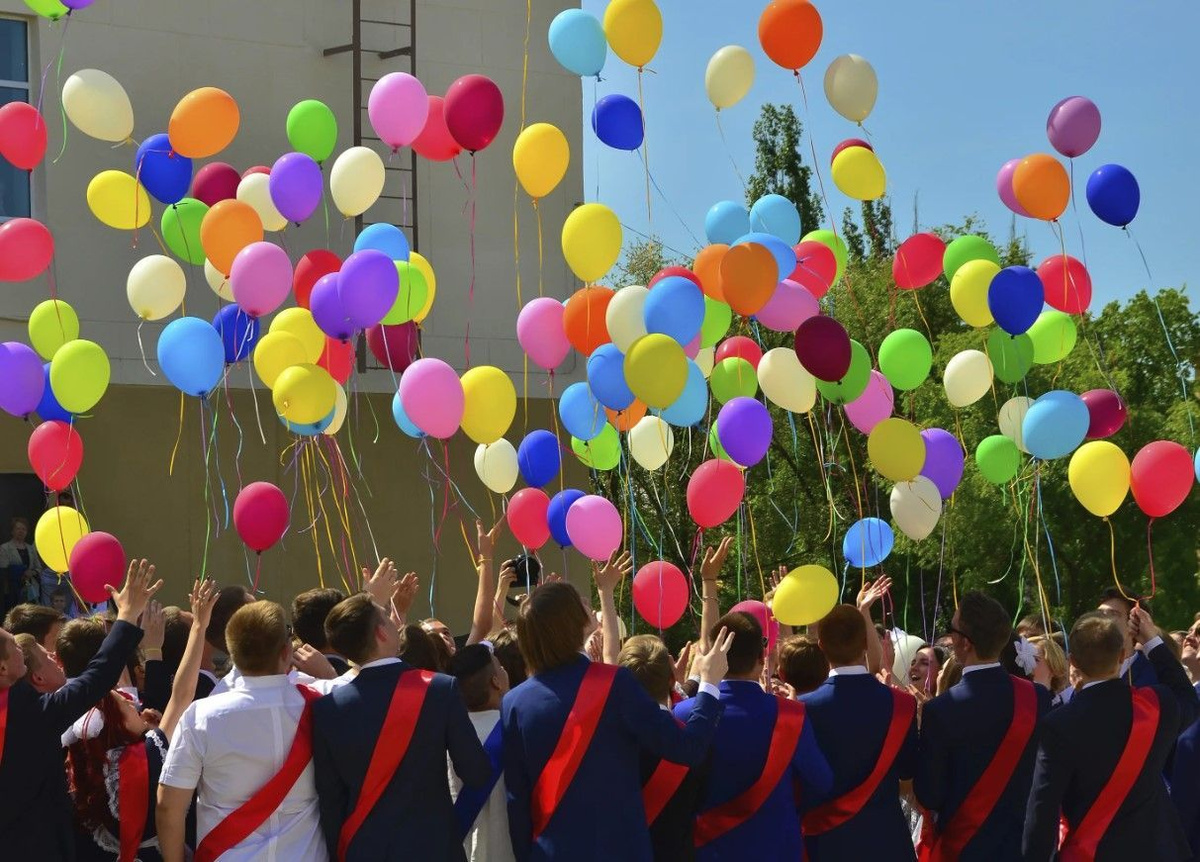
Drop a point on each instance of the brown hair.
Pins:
(1096, 643)
(309, 610)
(78, 643)
(550, 626)
(985, 623)
(949, 675)
(1031, 625)
(508, 653)
(474, 668)
(746, 651)
(257, 634)
(802, 664)
(31, 619)
(26, 642)
(229, 600)
(1055, 660)
(177, 623)
(350, 627)
(842, 635)
(647, 658)
(419, 648)
(85, 766)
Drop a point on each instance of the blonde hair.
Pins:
(647, 658)
(256, 635)
(1056, 660)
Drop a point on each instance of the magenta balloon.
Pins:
(325, 303)
(764, 616)
(20, 387)
(789, 306)
(692, 349)
(873, 406)
(394, 346)
(540, 332)
(368, 284)
(744, 430)
(261, 278)
(295, 185)
(1005, 190)
(1073, 125)
(943, 460)
(474, 111)
(594, 527)
(398, 107)
(823, 348)
(215, 182)
(432, 397)
(1107, 413)
(660, 593)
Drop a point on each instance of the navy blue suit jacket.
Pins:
(850, 716)
(738, 754)
(1185, 782)
(601, 814)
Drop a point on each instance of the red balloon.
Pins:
(261, 515)
(22, 135)
(55, 453)
(847, 144)
(766, 619)
(526, 516)
(338, 359)
(309, 269)
(435, 142)
(823, 348)
(681, 271)
(26, 248)
(918, 261)
(739, 346)
(96, 560)
(1067, 283)
(816, 267)
(257, 169)
(1160, 476)
(395, 346)
(1107, 412)
(660, 594)
(714, 492)
(474, 111)
(215, 182)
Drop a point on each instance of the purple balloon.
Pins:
(1073, 125)
(325, 303)
(296, 186)
(943, 460)
(789, 306)
(22, 380)
(77, 4)
(823, 348)
(744, 429)
(1005, 189)
(368, 283)
(1106, 412)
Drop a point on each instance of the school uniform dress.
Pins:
(103, 844)
(487, 833)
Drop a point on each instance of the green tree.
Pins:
(779, 167)
(643, 258)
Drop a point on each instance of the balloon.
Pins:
(782, 254)
(325, 303)
(745, 430)
(1113, 194)
(873, 406)
(1011, 419)
(312, 129)
(660, 594)
(916, 507)
(181, 224)
(338, 358)
(97, 105)
(386, 238)
(58, 531)
(434, 141)
(851, 87)
(401, 418)
(48, 408)
(707, 266)
(356, 181)
(395, 347)
(52, 323)
(423, 267)
(433, 397)
(805, 595)
(623, 318)
(582, 415)
(474, 111)
(540, 332)
(624, 420)
(1106, 413)
(717, 318)
(967, 378)
(577, 42)
(691, 405)
(526, 516)
(998, 459)
(868, 542)
(728, 77)
(748, 276)
(943, 460)
(261, 515)
(918, 261)
(591, 241)
(816, 268)
(766, 620)
(675, 307)
(964, 249)
(218, 282)
(633, 29)
(1053, 335)
(79, 373)
(905, 358)
(858, 173)
(617, 122)
(540, 158)
(296, 186)
(238, 330)
(96, 560)
(854, 382)
(299, 322)
(311, 267)
(1004, 187)
(834, 243)
(1011, 355)
(651, 442)
(1041, 186)
(26, 249)
(304, 394)
(261, 277)
(896, 449)
(22, 135)
(1014, 298)
(726, 221)
(368, 284)
(790, 32)
(192, 356)
(215, 182)
(1073, 126)
(732, 378)
(489, 403)
(788, 307)
(776, 215)
(55, 453)
(969, 291)
(539, 458)
(496, 465)
(584, 316)
(397, 108)
(606, 377)
(1160, 477)
(656, 370)
(277, 351)
(823, 348)
(785, 381)
(412, 296)
(22, 381)
(714, 492)
(1068, 287)
(118, 200)
(203, 123)
(1055, 424)
(1099, 477)
(229, 227)
(340, 408)
(602, 452)
(674, 270)
(741, 347)
(556, 514)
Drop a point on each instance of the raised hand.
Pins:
(712, 664)
(681, 663)
(401, 599)
(486, 541)
(595, 646)
(1142, 626)
(311, 661)
(382, 583)
(777, 577)
(609, 576)
(872, 592)
(714, 561)
(138, 589)
(202, 599)
(154, 626)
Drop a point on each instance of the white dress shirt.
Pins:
(848, 670)
(234, 678)
(228, 746)
(488, 841)
(971, 668)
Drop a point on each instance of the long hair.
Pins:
(85, 766)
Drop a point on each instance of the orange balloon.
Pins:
(228, 227)
(583, 318)
(708, 269)
(624, 420)
(790, 32)
(1041, 185)
(203, 123)
(748, 273)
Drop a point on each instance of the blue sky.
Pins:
(962, 88)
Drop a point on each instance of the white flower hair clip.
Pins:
(1026, 655)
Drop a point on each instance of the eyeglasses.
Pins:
(957, 631)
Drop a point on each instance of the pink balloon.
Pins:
(435, 142)
(766, 619)
(873, 406)
(1073, 125)
(660, 593)
(474, 111)
(692, 349)
(398, 107)
(540, 332)
(790, 305)
(1005, 190)
(526, 516)
(594, 527)
(261, 278)
(261, 514)
(216, 182)
(816, 267)
(256, 169)
(97, 559)
(432, 396)
(714, 492)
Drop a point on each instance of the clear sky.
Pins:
(963, 87)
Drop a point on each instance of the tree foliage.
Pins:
(779, 166)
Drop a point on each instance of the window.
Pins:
(14, 87)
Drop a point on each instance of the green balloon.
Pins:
(835, 244)
(1011, 356)
(312, 129)
(51, 9)
(181, 229)
(858, 375)
(1053, 335)
(967, 248)
(414, 291)
(905, 358)
(733, 377)
(998, 459)
(714, 444)
(602, 452)
(717, 317)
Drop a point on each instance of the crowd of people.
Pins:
(234, 729)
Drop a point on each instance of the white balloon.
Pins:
(496, 465)
(98, 105)
(704, 360)
(905, 647)
(1012, 417)
(339, 413)
(155, 287)
(651, 441)
(356, 181)
(624, 316)
(785, 381)
(218, 282)
(851, 87)
(916, 507)
(254, 189)
(967, 378)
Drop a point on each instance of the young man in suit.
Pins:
(1136, 668)
(1101, 757)
(309, 610)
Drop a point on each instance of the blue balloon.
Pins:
(691, 405)
(582, 415)
(1015, 298)
(675, 307)
(784, 254)
(776, 215)
(868, 543)
(606, 377)
(726, 221)
(402, 421)
(539, 458)
(309, 429)
(239, 332)
(617, 122)
(192, 355)
(577, 42)
(48, 408)
(1197, 451)
(1113, 194)
(1055, 424)
(383, 237)
(556, 515)
(165, 174)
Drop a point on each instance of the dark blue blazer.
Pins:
(850, 716)
(601, 814)
(1185, 782)
(1141, 671)
(739, 753)
(414, 818)
(960, 732)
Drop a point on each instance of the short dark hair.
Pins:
(508, 653)
(31, 619)
(746, 651)
(419, 648)
(984, 622)
(257, 634)
(1096, 643)
(1031, 625)
(842, 635)
(1130, 600)
(802, 665)
(550, 626)
(474, 668)
(647, 659)
(176, 625)
(350, 625)
(78, 643)
(309, 610)
(229, 600)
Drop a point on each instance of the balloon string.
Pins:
(645, 151)
(1049, 540)
(1075, 211)
(824, 475)
(357, 496)
(554, 421)
(178, 437)
(516, 181)
(254, 397)
(682, 222)
(237, 457)
(207, 511)
(312, 513)
(62, 108)
(216, 449)
(141, 347)
(471, 287)
(762, 582)
(732, 161)
(1150, 553)
(328, 529)
(537, 211)
(341, 493)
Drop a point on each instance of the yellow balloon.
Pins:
(591, 241)
(299, 322)
(356, 181)
(896, 449)
(52, 323)
(805, 596)
(1099, 477)
(851, 87)
(656, 369)
(496, 466)
(79, 375)
(729, 76)
(416, 260)
(275, 353)
(969, 291)
(254, 189)
(489, 403)
(155, 287)
(58, 531)
(98, 105)
(218, 281)
(304, 394)
(118, 200)
(540, 158)
(633, 29)
(339, 413)
(859, 174)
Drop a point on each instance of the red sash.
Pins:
(837, 811)
(946, 844)
(133, 798)
(715, 822)
(661, 786)
(3, 719)
(252, 813)
(390, 748)
(572, 745)
(1082, 840)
